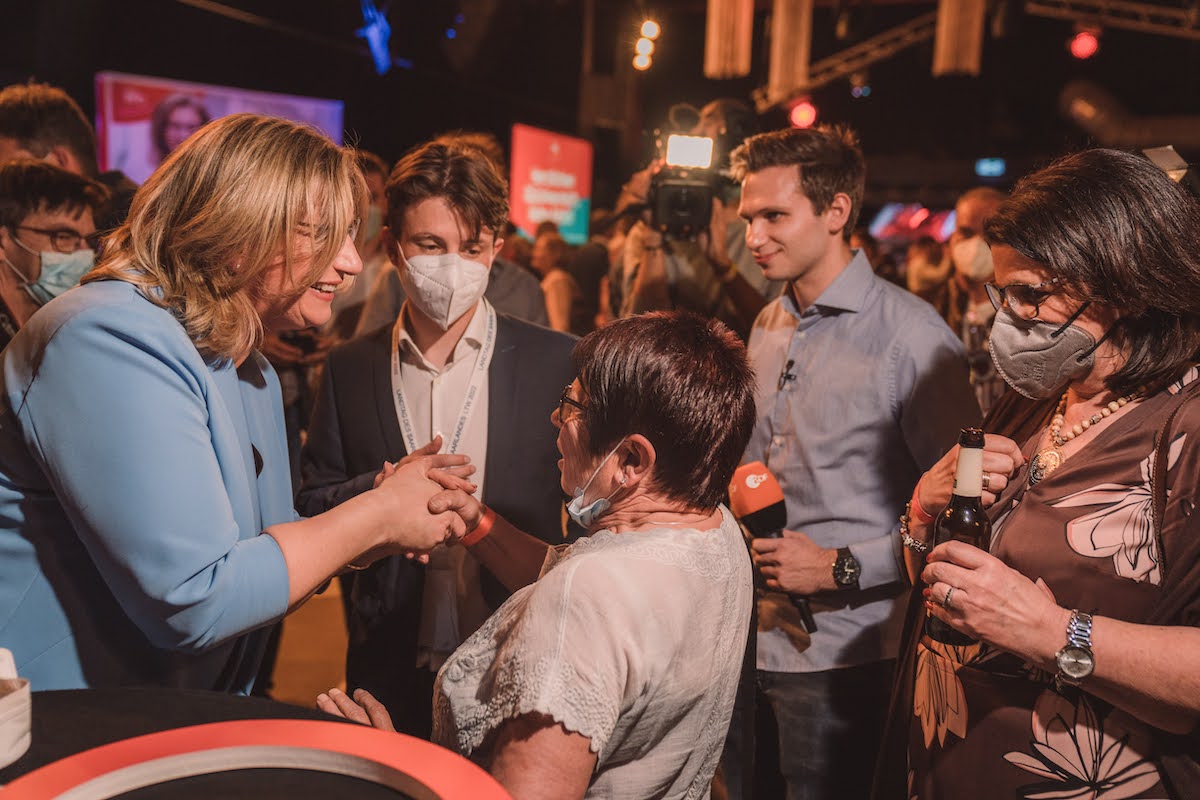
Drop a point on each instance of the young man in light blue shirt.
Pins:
(861, 388)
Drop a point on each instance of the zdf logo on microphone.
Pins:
(757, 479)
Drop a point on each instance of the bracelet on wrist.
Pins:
(481, 530)
(906, 538)
(914, 507)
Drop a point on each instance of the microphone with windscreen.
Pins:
(756, 499)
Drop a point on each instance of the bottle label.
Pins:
(968, 477)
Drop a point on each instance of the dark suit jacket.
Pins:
(354, 429)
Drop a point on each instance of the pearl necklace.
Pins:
(1051, 458)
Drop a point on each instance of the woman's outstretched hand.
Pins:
(362, 708)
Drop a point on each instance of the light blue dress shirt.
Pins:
(857, 396)
(132, 499)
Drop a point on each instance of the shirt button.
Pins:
(777, 441)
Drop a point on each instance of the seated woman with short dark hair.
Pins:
(613, 671)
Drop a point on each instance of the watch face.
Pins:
(847, 570)
(1075, 663)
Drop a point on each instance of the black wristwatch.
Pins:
(846, 569)
(1075, 661)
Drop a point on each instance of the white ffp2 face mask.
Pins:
(973, 259)
(444, 286)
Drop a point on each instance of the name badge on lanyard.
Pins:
(482, 361)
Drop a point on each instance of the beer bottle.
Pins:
(963, 520)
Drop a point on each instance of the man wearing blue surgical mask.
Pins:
(47, 237)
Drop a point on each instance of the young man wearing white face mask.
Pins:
(963, 302)
(47, 232)
(451, 374)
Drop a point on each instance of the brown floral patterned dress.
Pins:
(985, 724)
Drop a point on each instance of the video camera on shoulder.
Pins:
(681, 193)
(695, 166)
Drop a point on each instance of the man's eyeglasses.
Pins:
(567, 400)
(65, 240)
(1023, 299)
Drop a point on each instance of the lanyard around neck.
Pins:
(482, 361)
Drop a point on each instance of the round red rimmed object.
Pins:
(416, 767)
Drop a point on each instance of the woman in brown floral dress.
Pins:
(1085, 682)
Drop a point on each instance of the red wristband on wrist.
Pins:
(481, 530)
(915, 509)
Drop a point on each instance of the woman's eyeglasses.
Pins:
(1023, 299)
(567, 400)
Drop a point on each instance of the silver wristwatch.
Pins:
(1075, 660)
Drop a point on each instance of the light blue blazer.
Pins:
(135, 480)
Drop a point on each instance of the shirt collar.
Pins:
(848, 291)
(472, 337)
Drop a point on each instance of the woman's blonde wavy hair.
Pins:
(221, 212)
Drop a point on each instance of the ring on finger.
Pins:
(946, 599)
(987, 479)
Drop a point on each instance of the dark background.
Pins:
(519, 61)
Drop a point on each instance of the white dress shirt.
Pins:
(452, 605)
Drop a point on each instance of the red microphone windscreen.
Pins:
(753, 488)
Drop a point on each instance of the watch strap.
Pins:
(1079, 637)
(1079, 629)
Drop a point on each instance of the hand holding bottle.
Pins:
(993, 603)
(1002, 458)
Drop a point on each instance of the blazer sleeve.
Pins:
(326, 481)
(120, 421)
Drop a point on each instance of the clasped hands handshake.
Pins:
(426, 499)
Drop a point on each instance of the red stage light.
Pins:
(803, 114)
(1085, 44)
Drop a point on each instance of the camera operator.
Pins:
(710, 271)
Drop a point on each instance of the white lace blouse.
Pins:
(632, 640)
